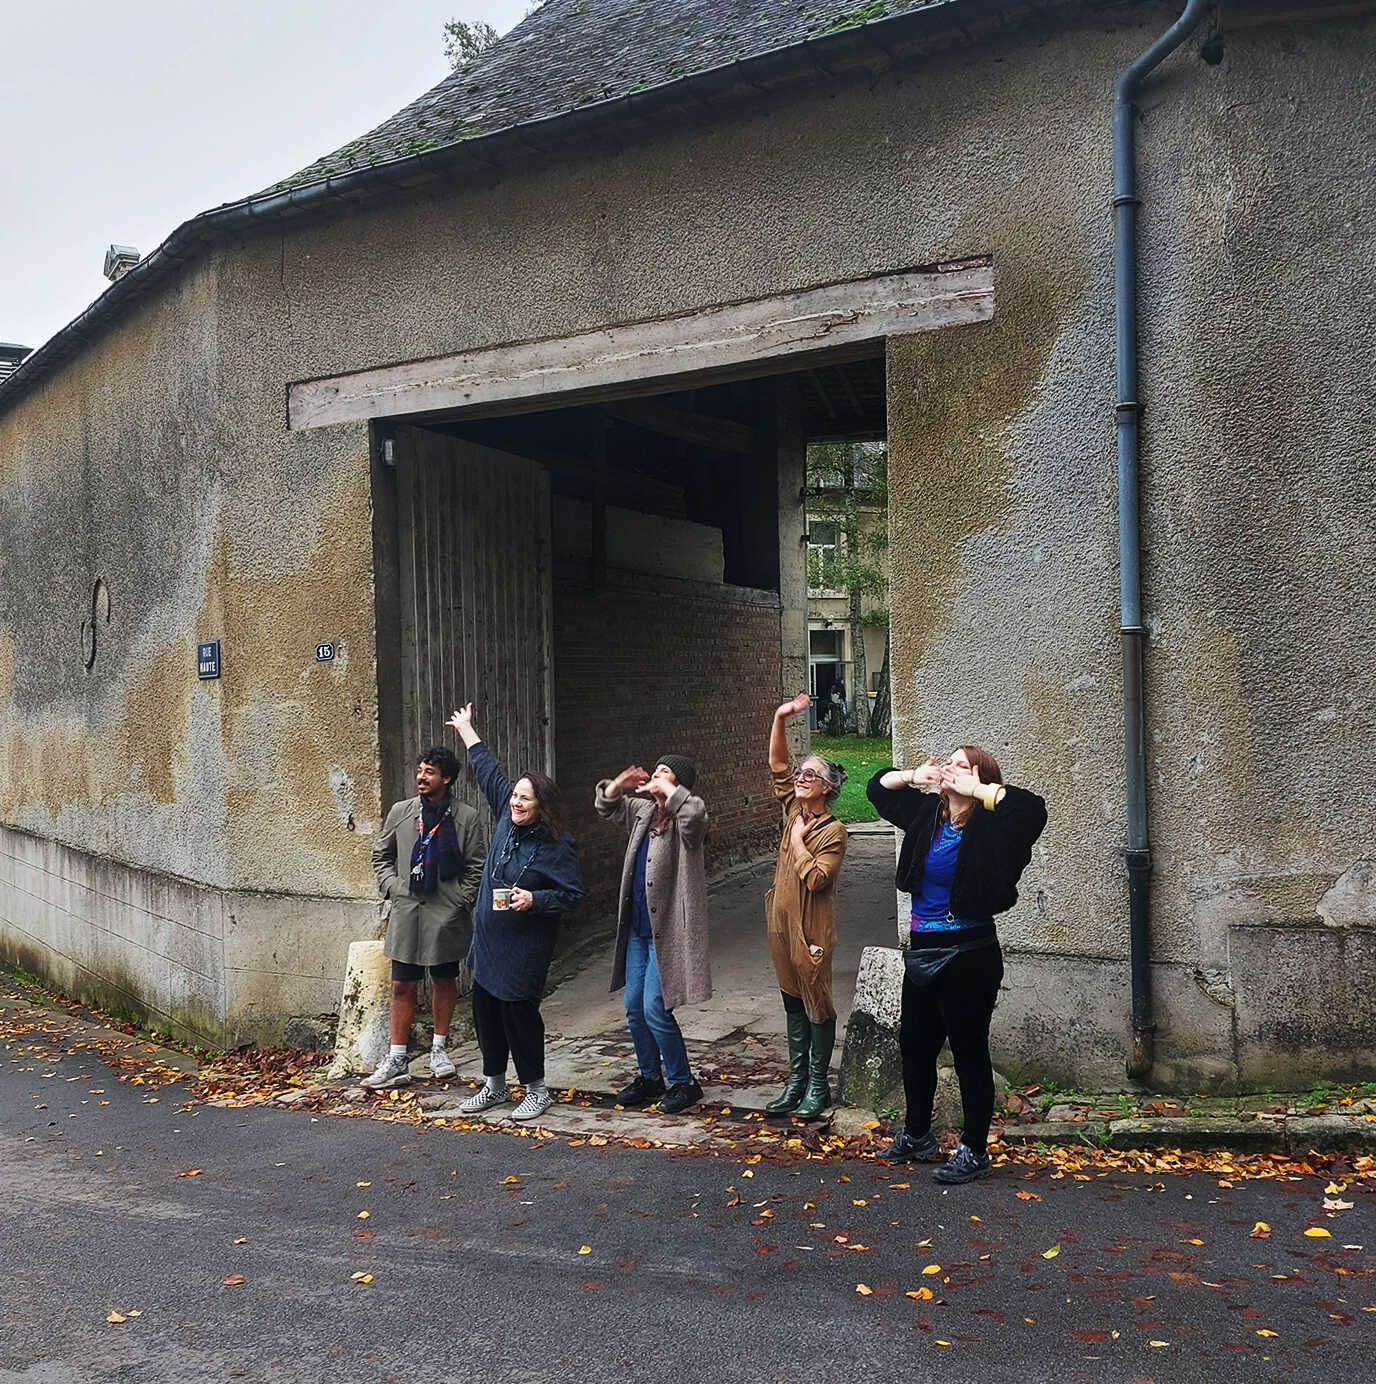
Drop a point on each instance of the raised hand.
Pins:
(632, 777)
(927, 775)
(462, 721)
(799, 703)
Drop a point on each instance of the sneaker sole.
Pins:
(387, 1085)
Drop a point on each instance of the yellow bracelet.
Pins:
(989, 795)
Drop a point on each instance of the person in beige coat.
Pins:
(428, 861)
(800, 914)
(661, 936)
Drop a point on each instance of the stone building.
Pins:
(508, 398)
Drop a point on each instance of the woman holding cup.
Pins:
(531, 879)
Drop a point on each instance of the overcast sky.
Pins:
(124, 119)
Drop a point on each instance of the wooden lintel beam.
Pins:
(700, 429)
(787, 331)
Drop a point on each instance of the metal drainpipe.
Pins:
(1127, 411)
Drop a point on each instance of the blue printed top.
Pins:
(932, 907)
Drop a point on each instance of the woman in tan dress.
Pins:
(800, 915)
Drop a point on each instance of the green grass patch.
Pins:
(861, 758)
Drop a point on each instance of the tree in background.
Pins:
(848, 483)
(463, 41)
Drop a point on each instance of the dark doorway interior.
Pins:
(667, 524)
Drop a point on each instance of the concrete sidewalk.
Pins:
(736, 1040)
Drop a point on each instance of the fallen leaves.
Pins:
(234, 1280)
(920, 1295)
(864, 1289)
(931, 1268)
(1261, 1231)
(585, 1249)
(1052, 1252)
(361, 1277)
(1317, 1232)
(190, 1172)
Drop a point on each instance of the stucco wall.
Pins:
(1257, 284)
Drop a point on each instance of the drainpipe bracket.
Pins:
(1137, 859)
(1127, 407)
(1127, 199)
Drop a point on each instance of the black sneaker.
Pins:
(964, 1165)
(641, 1091)
(912, 1148)
(680, 1096)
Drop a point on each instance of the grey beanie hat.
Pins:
(685, 771)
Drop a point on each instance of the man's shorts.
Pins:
(446, 970)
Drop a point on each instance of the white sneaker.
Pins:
(484, 1098)
(391, 1071)
(441, 1064)
(537, 1101)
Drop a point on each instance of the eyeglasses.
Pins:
(805, 775)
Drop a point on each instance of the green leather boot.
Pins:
(817, 1097)
(798, 1037)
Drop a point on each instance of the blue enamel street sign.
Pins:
(208, 659)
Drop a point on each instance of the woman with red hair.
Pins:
(967, 837)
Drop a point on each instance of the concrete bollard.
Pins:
(364, 1011)
(871, 1067)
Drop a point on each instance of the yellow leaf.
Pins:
(363, 1184)
(871, 1124)
(585, 1249)
(509, 1180)
(921, 1295)
(363, 1215)
(1334, 1188)
(863, 1289)
(115, 1317)
(242, 1240)
(1052, 1252)
(1158, 1344)
(943, 1343)
(1317, 1232)
(1260, 1231)
(190, 1172)
(932, 1268)
(134, 1312)
(1262, 1331)
(361, 1277)
(1194, 1242)
(858, 1203)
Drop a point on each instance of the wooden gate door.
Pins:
(473, 548)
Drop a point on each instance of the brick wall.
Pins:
(637, 676)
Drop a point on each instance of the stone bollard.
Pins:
(871, 1068)
(364, 1011)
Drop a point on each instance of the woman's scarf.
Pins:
(436, 854)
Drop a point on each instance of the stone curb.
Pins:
(1293, 1137)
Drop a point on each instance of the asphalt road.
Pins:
(500, 1258)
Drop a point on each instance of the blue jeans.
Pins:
(654, 1030)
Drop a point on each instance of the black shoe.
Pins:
(680, 1096)
(963, 1165)
(912, 1148)
(641, 1091)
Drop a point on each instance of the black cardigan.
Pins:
(994, 846)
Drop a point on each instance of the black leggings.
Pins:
(957, 1005)
(509, 1029)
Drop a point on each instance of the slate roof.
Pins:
(571, 54)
